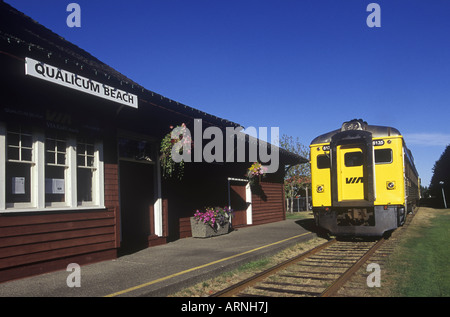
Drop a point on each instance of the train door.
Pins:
(350, 167)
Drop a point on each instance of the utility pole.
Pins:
(443, 194)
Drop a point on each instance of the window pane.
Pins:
(18, 182)
(90, 161)
(81, 160)
(383, 156)
(54, 184)
(84, 184)
(323, 161)
(50, 144)
(61, 158)
(81, 148)
(61, 146)
(13, 153)
(27, 141)
(56, 147)
(49, 158)
(353, 159)
(137, 150)
(13, 139)
(90, 149)
(26, 155)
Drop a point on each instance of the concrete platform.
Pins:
(162, 270)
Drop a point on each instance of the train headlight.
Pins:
(390, 185)
(319, 188)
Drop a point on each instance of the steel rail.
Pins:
(236, 288)
(333, 288)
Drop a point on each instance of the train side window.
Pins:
(323, 161)
(353, 159)
(383, 156)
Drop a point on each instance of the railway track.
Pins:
(320, 272)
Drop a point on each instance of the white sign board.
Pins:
(54, 186)
(61, 77)
(18, 185)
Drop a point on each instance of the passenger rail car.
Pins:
(363, 180)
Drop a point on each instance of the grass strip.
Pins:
(420, 268)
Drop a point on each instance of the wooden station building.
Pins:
(80, 177)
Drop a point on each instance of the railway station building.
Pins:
(80, 176)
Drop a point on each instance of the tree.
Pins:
(441, 173)
(297, 177)
(424, 191)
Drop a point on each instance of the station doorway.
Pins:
(137, 184)
(239, 200)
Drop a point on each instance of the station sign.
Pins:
(65, 78)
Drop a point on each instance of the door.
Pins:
(350, 172)
(352, 169)
(136, 199)
(238, 203)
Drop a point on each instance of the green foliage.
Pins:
(441, 172)
(169, 167)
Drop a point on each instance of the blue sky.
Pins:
(304, 66)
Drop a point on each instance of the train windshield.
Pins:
(383, 156)
(353, 159)
(323, 161)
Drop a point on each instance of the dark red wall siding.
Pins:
(35, 243)
(30, 243)
(267, 206)
(267, 203)
(112, 196)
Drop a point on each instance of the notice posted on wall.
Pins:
(18, 185)
(54, 186)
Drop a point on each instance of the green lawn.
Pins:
(421, 267)
(299, 215)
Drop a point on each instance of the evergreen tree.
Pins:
(441, 173)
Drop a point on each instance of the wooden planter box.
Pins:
(201, 230)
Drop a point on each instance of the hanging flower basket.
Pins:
(255, 172)
(169, 167)
(211, 222)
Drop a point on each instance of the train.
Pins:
(363, 179)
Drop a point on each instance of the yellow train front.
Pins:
(363, 180)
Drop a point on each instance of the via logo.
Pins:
(353, 180)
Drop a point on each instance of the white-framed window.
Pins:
(43, 169)
(87, 171)
(56, 168)
(19, 167)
